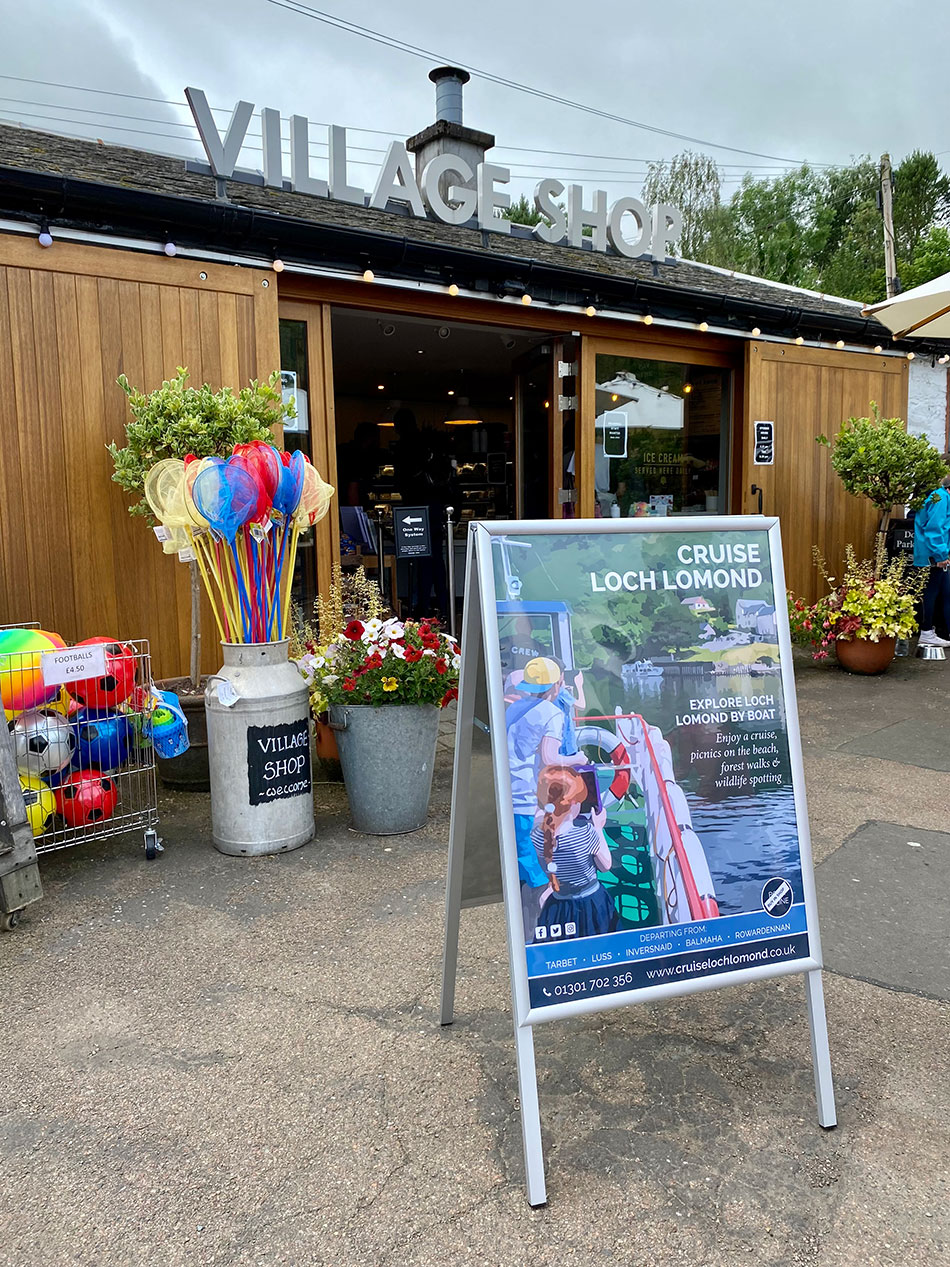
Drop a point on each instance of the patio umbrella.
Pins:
(921, 313)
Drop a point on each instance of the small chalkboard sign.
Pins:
(615, 441)
(497, 468)
(900, 537)
(411, 530)
(764, 454)
(278, 762)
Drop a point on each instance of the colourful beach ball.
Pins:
(44, 741)
(40, 803)
(87, 797)
(115, 685)
(21, 674)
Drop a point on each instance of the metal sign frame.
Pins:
(481, 676)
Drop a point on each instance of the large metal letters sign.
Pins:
(627, 700)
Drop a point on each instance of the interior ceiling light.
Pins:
(443, 332)
(380, 387)
(451, 391)
(388, 329)
(463, 415)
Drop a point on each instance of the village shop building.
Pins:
(562, 379)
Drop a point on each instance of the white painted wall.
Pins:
(927, 401)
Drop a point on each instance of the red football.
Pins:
(109, 691)
(86, 797)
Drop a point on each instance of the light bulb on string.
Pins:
(648, 321)
(526, 298)
(46, 238)
(878, 348)
(799, 340)
(278, 266)
(453, 290)
(368, 275)
(911, 355)
(840, 343)
(170, 249)
(590, 311)
(756, 332)
(703, 326)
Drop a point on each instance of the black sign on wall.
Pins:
(900, 537)
(764, 454)
(278, 761)
(411, 530)
(615, 441)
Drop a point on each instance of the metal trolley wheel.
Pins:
(9, 921)
(153, 844)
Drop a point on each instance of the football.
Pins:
(40, 805)
(44, 741)
(86, 797)
(115, 685)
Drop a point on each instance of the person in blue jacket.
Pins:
(932, 549)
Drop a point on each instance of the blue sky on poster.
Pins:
(814, 80)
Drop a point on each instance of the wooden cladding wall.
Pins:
(806, 393)
(72, 318)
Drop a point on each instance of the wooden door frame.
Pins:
(322, 418)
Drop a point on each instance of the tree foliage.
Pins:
(812, 227)
(878, 459)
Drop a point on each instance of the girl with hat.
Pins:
(572, 848)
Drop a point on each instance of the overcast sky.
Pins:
(816, 80)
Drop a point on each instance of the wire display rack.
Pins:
(108, 742)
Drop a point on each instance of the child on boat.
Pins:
(571, 849)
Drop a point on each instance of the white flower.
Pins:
(456, 661)
(394, 628)
(329, 678)
(429, 651)
(318, 661)
(371, 628)
(398, 652)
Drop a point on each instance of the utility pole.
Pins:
(891, 280)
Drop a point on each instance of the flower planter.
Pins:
(858, 655)
(326, 749)
(387, 755)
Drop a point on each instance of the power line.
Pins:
(377, 37)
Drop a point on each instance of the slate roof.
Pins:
(130, 169)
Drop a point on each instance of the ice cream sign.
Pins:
(448, 189)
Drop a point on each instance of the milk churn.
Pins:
(259, 751)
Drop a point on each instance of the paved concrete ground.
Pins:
(207, 1060)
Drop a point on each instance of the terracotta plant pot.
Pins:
(858, 655)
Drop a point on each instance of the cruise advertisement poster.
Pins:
(651, 777)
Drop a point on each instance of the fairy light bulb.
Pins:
(703, 326)
(453, 290)
(687, 388)
(840, 343)
(526, 299)
(878, 348)
(799, 341)
(648, 321)
(278, 266)
(170, 249)
(590, 311)
(911, 355)
(756, 332)
(369, 275)
(46, 238)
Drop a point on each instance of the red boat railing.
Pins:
(699, 907)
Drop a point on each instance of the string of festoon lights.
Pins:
(169, 248)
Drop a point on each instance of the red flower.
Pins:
(349, 684)
(374, 661)
(430, 642)
(441, 666)
(450, 694)
(413, 654)
(354, 630)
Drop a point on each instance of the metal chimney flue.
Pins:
(449, 81)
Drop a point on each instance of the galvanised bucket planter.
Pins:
(387, 755)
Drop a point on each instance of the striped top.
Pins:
(573, 853)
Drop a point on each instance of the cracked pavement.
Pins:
(210, 1060)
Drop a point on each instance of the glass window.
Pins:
(662, 437)
(295, 382)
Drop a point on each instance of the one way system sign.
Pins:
(411, 528)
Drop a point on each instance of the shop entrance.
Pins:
(438, 414)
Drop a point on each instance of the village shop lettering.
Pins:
(278, 762)
(705, 576)
(474, 196)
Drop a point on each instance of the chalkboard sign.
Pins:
(411, 530)
(497, 468)
(278, 762)
(615, 441)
